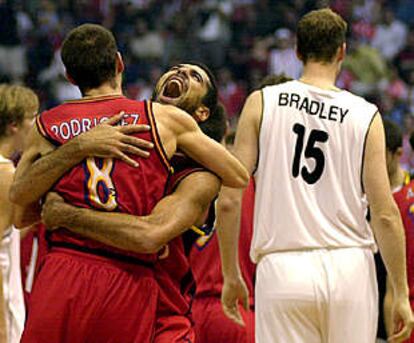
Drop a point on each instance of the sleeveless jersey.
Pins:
(309, 191)
(205, 254)
(106, 184)
(404, 198)
(11, 274)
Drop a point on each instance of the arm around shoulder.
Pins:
(193, 142)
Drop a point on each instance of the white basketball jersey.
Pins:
(12, 281)
(309, 191)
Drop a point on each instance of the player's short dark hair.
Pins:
(393, 136)
(319, 35)
(16, 103)
(216, 124)
(89, 55)
(274, 79)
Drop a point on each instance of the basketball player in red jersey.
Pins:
(119, 282)
(180, 210)
(193, 190)
(190, 198)
(403, 190)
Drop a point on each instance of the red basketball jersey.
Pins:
(405, 201)
(106, 184)
(205, 255)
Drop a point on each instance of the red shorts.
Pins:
(174, 329)
(84, 298)
(212, 325)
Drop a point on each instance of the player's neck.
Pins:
(397, 179)
(320, 75)
(6, 147)
(107, 89)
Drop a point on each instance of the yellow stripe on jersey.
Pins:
(157, 142)
(198, 231)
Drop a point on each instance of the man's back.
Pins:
(106, 184)
(309, 190)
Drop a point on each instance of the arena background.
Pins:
(241, 40)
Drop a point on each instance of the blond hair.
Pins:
(16, 103)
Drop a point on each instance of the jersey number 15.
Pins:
(311, 151)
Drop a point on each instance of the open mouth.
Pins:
(173, 88)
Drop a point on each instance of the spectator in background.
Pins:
(366, 65)
(53, 77)
(12, 53)
(407, 158)
(177, 42)
(283, 59)
(214, 34)
(405, 11)
(404, 61)
(146, 45)
(232, 94)
(390, 35)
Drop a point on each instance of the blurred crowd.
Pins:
(241, 40)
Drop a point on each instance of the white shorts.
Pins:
(318, 296)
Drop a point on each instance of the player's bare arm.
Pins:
(6, 210)
(387, 226)
(229, 205)
(42, 164)
(180, 131)
(172, 216)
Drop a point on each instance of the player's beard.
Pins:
(187, 105)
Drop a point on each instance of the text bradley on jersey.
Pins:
(313, 107)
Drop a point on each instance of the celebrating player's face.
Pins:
(184, 86)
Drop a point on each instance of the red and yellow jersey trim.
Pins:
(40, 127)
(156, 137)
(407, 178)
(42, 130)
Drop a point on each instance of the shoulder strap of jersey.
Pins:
(159, 148)
(45, 131)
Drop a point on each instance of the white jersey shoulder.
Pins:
(309, 190)
(12, 285)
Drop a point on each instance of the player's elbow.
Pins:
(387, 218)
(240, 180)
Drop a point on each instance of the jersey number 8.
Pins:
(100, 188)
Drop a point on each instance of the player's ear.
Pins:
(120, 66)
(70, 79)
(341, 52)
(12, 129)
(202, 113)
